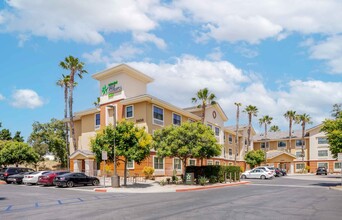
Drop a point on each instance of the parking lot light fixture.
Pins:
(115, 177)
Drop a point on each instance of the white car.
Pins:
(257, 174)
(267, 169)
(33, 177)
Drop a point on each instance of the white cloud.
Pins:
(2, 97)
(26, 98)
(216, 55)
(146, 37)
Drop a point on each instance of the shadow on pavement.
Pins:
(327, 184)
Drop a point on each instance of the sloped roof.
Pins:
(280, 135)
(85, 153)
(276, 153)
(216, 106)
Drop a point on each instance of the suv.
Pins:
(321, 170)
(6, 172)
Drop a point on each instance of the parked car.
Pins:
(33, 177)
(72, 179)
(283, 171)
(17, 178)
(267, 169)
(257, 174)
(47, 179)
(321, 170)
(6, 172)
(278, 172)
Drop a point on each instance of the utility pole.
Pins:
(237, 129)
(115, 177)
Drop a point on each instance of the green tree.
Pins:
(265, 120)
(274, 128)
(132, 143)
(5, 135)
(255, 157)
(97, 102)
(291, 117)
(251, 111)
(333, 130)
(190, 140)
(237, 130)
(17, 153)
(17, 137)
(303, 120)
(337, 109)
(76, 68)
(49, 137)
(205, 98)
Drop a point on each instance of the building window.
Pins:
(158, 163)
(337, 165)
(177, 165)
(130, 164)
(281, 144)
(176, 119)
(217, 162)
(230, 152)
(192, 162)
(209, 162)
(322, 140)
(299, 166)
(246, 142)
(217, 131)
(323, 153)
(322, 165)
(299, 143)
(230, 139)
(299, 154)
(262, 145)
(158, 115)
(97, 121)
(129, 111)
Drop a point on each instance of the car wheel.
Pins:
(8, 182)
(95, 183)
(263, 177)
(243, 177)
(70, 184)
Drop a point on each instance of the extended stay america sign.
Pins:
(111, 89)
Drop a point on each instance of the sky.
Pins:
(277, 55)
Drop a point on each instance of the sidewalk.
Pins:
(155, 187)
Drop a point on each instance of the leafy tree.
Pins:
(17, 137)
(337, 109)
(190, 140)
(333, 129)
(5, 135)
(291, 117)
(251, 111)
(17, 153)
(303, 120)
(132, 143)
(274, 128)
(49, 137)
(237, 129)
(76, 68)
(255, 157)
(205, 98)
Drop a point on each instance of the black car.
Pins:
(72, 179)
(6, 172)
(321, 170)
(283, 171)
(17, 178)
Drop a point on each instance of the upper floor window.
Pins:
(230, 139)
(177, 165)
(129, 111)
(322, 140)
(192, 162)
(176, 119)
(299, 154)
(299, 143)
(323, 153)
(97, 121)
(217, 131)
(158, 115)
(230, 151)
(130, 164)
(262, 145)
(281, 144)
(209, 162)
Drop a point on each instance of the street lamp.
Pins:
(115, 177)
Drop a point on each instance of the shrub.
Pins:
(162, 182)
(148, 172)
(214, 170)
(202, 180)
(213, 179)
(174, 179)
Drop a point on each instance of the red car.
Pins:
(47, 179)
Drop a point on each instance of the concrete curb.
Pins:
(2, 182)
(211, 187)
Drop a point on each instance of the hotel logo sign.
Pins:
(111, 89)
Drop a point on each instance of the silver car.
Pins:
(257, 174)
(33, 177)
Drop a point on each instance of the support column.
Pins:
(77, 165)
(292, 168)
(89, 167)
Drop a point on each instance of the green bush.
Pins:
(213, 179)
(215, 170)
(202, 180)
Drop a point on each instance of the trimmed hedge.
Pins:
(215, 173)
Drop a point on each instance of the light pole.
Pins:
(115, 177)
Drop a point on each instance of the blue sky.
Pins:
(279, 56)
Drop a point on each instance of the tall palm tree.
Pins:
(237, 128)
(76, 68)
(251, 111)
(205, 98)
(265, 120)
(274, 128)
(303, 120)
(291, 117)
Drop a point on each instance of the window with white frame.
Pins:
(322, 165)
(97, 121)
(323, 153)
(158, 115)
(322, 140)
(217, 131)
(262, 145)
(299, 154)
(299, 166)
(281, 144)
(177, 165)
(192, 162)
(230, 139)
(337, 165)
(209, 162)
(230, 152)
(299, 143)
(129, 112)
(158, 163)
(217, 162)
(130, 164)
(176, 119)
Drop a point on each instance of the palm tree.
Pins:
(251, 111)
(205, 98)
(237, 128)
(274, 128)
(97, 102)
(303, 120)
(291, 117)
(265, 120)
(76, 68)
